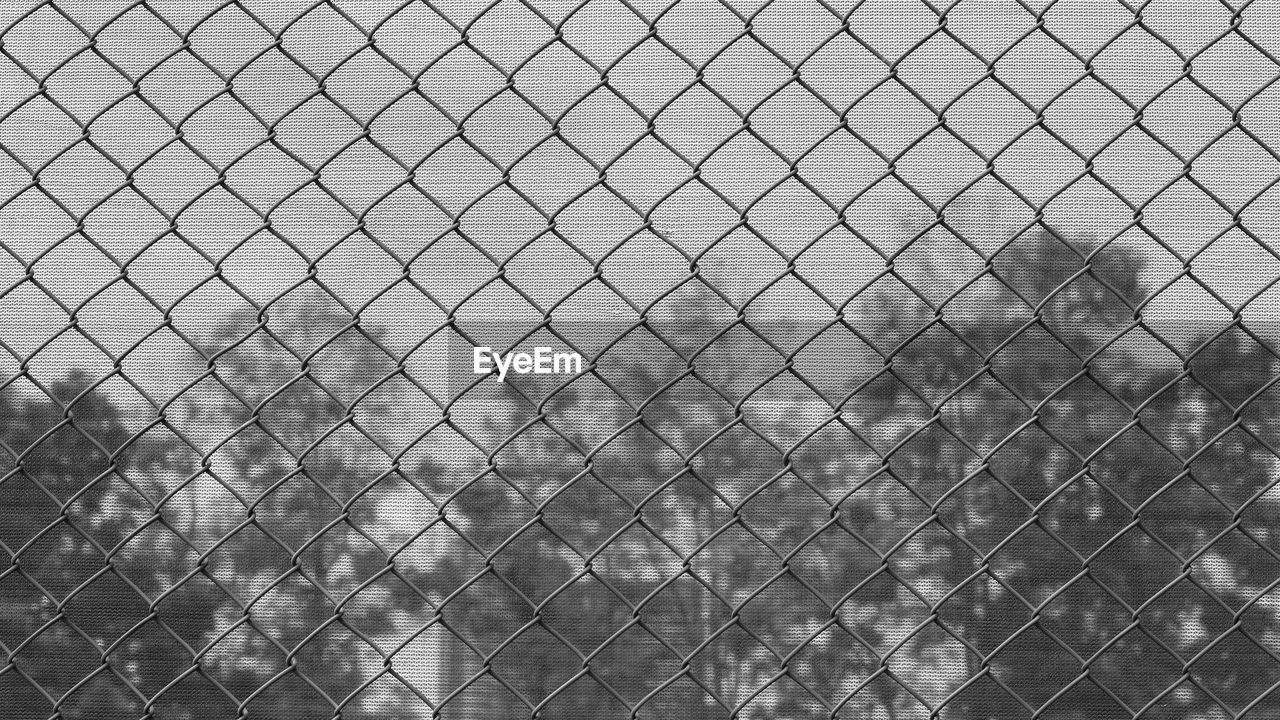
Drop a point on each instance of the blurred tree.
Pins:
(1020, 502)
(62, 604)
(1090, 528)
(223, 556)
(270, 529)
(1031, 506)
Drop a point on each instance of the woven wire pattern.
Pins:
(931, 359)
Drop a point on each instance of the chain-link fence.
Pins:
(928, 359)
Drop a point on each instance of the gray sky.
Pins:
(840, 76)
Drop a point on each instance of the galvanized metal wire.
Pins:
(930, 359)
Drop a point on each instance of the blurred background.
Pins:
(932, 359)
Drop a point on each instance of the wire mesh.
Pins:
(929, 359)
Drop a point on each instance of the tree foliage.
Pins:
(1021, 502)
